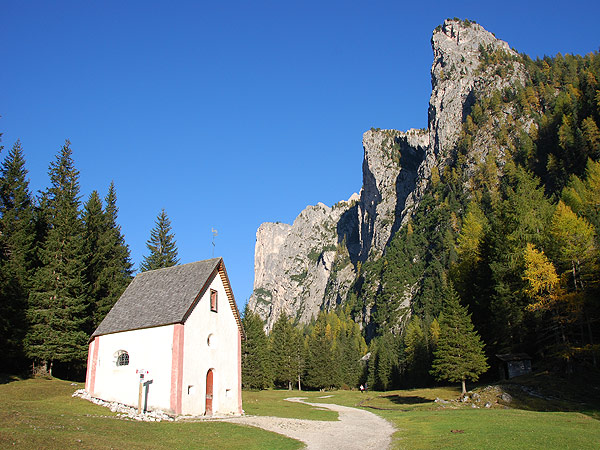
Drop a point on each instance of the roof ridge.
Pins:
(179, 265)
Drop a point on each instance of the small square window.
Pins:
(213, 300)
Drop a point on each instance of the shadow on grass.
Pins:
(5, 379)
(406, 399)
(393, 402)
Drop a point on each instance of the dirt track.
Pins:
(355, 429)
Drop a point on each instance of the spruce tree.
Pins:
(255, 358)
(459, 355)
(118, 270)
(417, 352)
(58, 310)
(352, 349)
(300, 355)
(94, 227)
(162, 245)
(388, 357)
(284, 348)
(322, 367)
(109, 267)
(17, 233)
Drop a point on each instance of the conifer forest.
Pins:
(64, 264)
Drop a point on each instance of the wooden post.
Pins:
(140, 393)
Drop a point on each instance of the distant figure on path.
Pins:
(362, 389)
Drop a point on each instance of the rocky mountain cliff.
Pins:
(311, 264)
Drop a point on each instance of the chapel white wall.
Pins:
(149, 349)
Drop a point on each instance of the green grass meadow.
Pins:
(41, 414)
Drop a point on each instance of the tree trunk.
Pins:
(568, 368)
(464, 386)
(591, 335)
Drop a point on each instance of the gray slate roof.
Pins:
(158, 297)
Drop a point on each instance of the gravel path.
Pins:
(355, 429)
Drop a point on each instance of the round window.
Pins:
(212, 340)
(122, 358)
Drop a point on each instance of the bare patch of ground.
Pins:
(356, 428)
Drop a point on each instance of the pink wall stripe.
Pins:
(90, 379)
(177, 369)
(88, 369)
(239, 372)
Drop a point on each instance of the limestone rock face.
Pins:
(310, 265)
(293, 263)
(389, 175)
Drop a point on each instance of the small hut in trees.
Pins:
(180, 328)
(514, 365)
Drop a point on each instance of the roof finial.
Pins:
(215, 234)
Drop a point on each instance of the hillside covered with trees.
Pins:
(511, 234)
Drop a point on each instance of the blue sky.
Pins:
(233, 113)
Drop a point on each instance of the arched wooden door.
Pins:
(209, 393)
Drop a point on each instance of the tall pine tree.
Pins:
(322, 368)
(255, 358)
(94, 228)
(118, 270)
(459, 355)
(352, 349)
(17, 233)
(162, 245)
(417, 352)
(109, 267)
(284, 352)
(58, 310)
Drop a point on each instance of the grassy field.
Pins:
(569, 419)
(40, 414)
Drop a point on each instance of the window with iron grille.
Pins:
(122, 358)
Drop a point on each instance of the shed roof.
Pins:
(165, 296)
(507, 357)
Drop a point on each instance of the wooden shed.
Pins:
(514, 365)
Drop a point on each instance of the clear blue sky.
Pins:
(229, 114)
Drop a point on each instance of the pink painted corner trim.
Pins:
(90, 380)
(177, 369)
(88, 370)
(240, 410)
